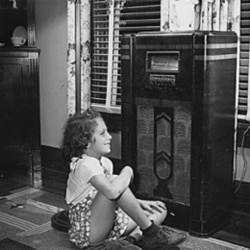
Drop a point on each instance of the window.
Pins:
(244, 67)
(111, 19)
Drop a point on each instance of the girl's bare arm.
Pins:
(113, 186)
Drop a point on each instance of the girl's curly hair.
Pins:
(78, 133)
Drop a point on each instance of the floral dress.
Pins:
(80, 213)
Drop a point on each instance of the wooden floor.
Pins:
(237, 231)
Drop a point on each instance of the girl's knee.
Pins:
(163, 215)
(112, 177)
(159, 217)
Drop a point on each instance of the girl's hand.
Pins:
(152, 206)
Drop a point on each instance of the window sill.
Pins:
(108, 110)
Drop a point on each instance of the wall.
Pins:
(51, 37)
(242, 165)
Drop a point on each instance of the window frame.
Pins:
(120, 23)
(111, 89)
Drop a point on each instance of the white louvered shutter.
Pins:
(244, 70)
(111, 19)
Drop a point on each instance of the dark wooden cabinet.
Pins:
(19, 107)
(17, 13)
(19, 89)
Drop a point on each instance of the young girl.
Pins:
(102, 207)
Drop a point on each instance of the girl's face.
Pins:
(101, 140)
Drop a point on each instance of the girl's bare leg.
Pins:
(133, 229)
(102, 218)
(132, 208)
(103, 213)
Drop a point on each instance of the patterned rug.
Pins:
(25, 222)
(9, 244)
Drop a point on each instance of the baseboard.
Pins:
(241, 201)
(52, 159)
(52, 162)
(243, 188)
(54, 181)
(55, 170)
